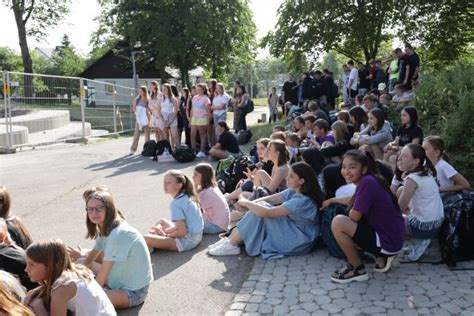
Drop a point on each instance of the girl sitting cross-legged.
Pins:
(184, 231)
(279, 225)
(374, 224)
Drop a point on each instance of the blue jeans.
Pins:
(136, 297)
(210, 228)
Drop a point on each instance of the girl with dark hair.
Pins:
(449, 179)
(419, 198)
(279, 225)
(125, 265)
(64, 285)
(374, 223)
(184, 231)
(408, 132)
(240, 110)
(377, 135)
(183, 116)
(17, 230)
(168, 115)
(337, 190)
(213, 203)
(358, 118)
(314, 158)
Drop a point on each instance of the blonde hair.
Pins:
(339, 129)
(12, 285)
(7, 240)
(53, 254)
(10, 304)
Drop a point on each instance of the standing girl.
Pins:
(374, 224)
(153, 104)
(273, 105)
(125, 268)
(240, 110)
(64, 286)
(200, 118)
(449, 179)
(213, 203)
(140, 108)
(184, 231)
(419, 198)
(279, 225)
(168, 115)
(219, 106)
(183, 114)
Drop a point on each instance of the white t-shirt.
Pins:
(90, 298)
(444, 173)
(345, 190)
(167, 106)
(354, 75)
(218, 100)
(426, 204)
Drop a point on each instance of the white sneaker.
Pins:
(132, 152)
(226, 249)
(217, 244)
(200, 155)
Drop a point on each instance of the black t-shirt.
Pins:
(290, 93)
(414, 62)
(403, 61)
(307, 88)
(13, 260)
(228, 142)
(407, 135)
(317, 88)
(364, 82)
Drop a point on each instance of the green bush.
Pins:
(445, 101)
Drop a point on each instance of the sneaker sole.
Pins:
(363, 277)
(237, 252)
(388, 265)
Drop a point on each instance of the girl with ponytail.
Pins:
(184, 231)
(419, 198)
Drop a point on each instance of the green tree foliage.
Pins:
(34, 18)
(65, 60)
(9, 60)
(444, 101)
(359, 27)
(185, 34)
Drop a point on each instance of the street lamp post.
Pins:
(135, 78)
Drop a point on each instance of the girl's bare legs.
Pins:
(175, 141)
(235, 238)
(157, 239)
(194, 131)
(262, 179)
(203, 137)
(118, 298)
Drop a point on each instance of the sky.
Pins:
(79, 25)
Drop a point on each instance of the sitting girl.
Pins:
(449, 179)
(408, 132)
(120, 258)
(64, 285)
(184, 231)
(419, 199)
(377, 135)
(374, 224)
(18, 231)
(341, 143)
(213, 203)
(284, 226)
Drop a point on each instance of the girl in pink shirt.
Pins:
(213, 203)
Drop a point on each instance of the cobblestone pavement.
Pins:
(301, 286)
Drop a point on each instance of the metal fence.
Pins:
(44, 109)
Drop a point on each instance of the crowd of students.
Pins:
(197, 112)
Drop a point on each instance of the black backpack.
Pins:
(230, 171)
(149, 149)
(184, 154)
(249, 107)
(456, 236)
(244, 136)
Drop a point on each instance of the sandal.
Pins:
(388, 264)
(344, 275)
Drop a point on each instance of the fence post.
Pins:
(114, 96)
(82, 92)
(132, 126)
(8, 115)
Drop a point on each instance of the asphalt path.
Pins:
(47, 183)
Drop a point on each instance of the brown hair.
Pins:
(279, 128)
(207, 176)
(5, 196)
(438, 144)
(14, 222)
(278, 136)
(187, 185)
(344, 116)
(153, 94)
(203, 88)
(144, 89)
(53, 254)
(379, 114)
(339, 131)
(113, 217)
(171, 95)
(283, 154)
(321, 124)
(264, 141)
(294, 137)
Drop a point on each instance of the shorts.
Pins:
(368, 240)
(247, 186)
(188, 242)
(136, 297)
(210, 228)
(219, 117)
(422, 230)
(166, 118)
(200, 121)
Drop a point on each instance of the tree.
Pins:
(65, 60)
(9, 60)
(353, 27)
(182, 33)
(40, 16)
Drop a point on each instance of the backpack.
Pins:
(249, 107)
(149, 149)
(184, 154)
(328, 238)
(244, 136)
(456, 236)
(230, 171)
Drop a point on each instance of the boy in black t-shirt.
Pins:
(226, 145)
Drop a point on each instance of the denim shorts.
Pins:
(188, 242)
(210, 228)
(422, 230)
(219, 117)
(136, 297)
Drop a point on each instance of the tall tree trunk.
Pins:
(25, 53)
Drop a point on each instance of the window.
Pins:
(109, 87)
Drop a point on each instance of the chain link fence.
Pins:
(44, 109)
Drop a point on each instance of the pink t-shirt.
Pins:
(214, 206)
